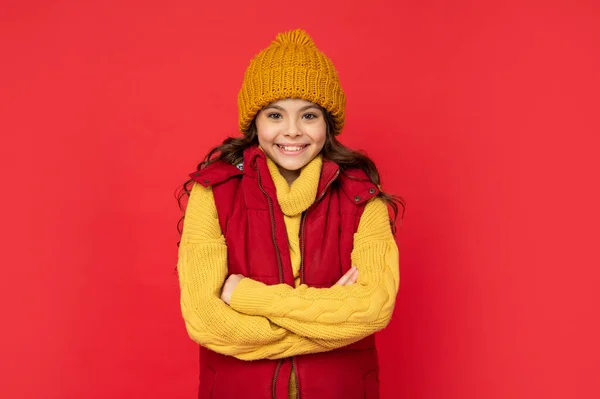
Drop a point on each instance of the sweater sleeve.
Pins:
(202, 270)
(339, 312)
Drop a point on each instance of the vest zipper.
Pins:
(272, 213)
(274, 386)
(296, 379)
(279, 264)
(303, 223)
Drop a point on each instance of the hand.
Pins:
(349, 278)
(230, 284)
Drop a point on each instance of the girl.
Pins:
(287, 260)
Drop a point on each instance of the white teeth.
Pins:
(290, 148)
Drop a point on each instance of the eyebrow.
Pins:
(301, 109)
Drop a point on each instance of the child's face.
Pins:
(291, 132)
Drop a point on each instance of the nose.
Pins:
(292, 129)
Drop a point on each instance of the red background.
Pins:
(483, 115)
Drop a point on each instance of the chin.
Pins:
(292, 166)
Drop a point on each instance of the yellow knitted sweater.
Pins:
(279, 321)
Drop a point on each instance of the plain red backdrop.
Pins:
(482, 115)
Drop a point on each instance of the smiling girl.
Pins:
(287, 262)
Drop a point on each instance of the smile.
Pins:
(291, 148)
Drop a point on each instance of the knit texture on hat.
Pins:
(291, 67)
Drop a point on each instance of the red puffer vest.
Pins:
(257, 247)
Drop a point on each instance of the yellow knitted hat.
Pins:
(291, 67)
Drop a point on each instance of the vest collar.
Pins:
(214, 173)
(355, 183)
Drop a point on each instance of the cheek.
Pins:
(319, 135)
(264, 134)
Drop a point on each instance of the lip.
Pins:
(291, 153)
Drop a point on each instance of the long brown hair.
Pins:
(232, 151)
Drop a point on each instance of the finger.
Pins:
(353, 278)
(342, 280)
(346, 277)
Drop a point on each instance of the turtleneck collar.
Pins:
(296, 198)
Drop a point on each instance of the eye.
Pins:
(310, 116)
(274, 115)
